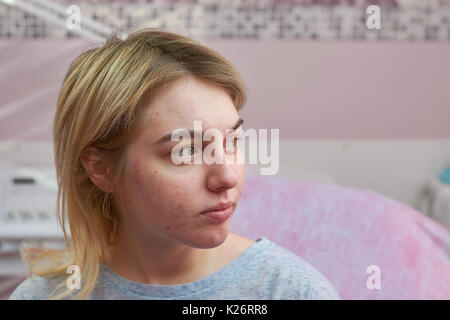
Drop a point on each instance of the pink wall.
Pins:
(310, 90)
(346, 89)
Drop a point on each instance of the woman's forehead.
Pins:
(189, 101)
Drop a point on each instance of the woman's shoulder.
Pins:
(36, 288)
(295, 278)
(232, 248)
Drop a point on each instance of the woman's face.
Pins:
(165, 200)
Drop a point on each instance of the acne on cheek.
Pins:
(141, 182)
(137, 176)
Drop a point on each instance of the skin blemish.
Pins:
(137, 176)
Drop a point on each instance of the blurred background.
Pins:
(357, 106)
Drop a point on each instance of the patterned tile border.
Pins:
(307, 19)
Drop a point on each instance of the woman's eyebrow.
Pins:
(168, 137)
(237, 125)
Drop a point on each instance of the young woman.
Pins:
(140, 224)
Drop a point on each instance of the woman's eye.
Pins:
(233, 143)
(187, 151)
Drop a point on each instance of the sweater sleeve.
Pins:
(293, 278)
(34, 288)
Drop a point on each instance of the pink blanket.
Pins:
(342, 231)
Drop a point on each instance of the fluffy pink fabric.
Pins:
(341, 231)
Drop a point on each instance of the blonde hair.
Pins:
(100, 103)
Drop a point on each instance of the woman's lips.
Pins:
(219, 215)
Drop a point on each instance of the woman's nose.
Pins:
(223, 173)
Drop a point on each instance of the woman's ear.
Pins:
(97, 168)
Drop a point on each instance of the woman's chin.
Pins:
(211, 239)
